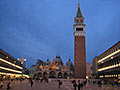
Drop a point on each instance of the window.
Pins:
(79, 29)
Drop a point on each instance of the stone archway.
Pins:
(70, 75)
(45, 74)
(60, 75)
(52, 74)
(39, 74)
(65, 75)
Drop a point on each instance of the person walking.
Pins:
(46, 80)
(59, 83)
(31, 82)
(99, 83)
(1, 84)
(79, 85)
(8, 85)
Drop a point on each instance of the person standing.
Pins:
(31, 82)
(74, 85)
(79, 85)
(8, 85)
(59, 83)
(99, 83)
(1, 84)
(46, 80)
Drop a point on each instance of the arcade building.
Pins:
(11, 67)
(108, 63)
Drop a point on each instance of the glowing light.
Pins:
(109, 67)
(14, 61)
(53, 67)
(107, 76)
(24, 59)
(18, 59)
(17, 75)
(41, 67)
(10, 63)
(111, 57)
(26, 76)
(108, 56)
(46, 66)
(101, 76)
(8, 69)
(86, 77)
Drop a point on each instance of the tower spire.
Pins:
(79, 13)
(78, 4)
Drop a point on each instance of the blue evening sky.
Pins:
(41, 28)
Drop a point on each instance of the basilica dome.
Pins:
(57, 61)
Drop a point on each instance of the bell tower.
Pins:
(79, 45)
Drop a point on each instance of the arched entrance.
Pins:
(52, 74)
(45, 74)
(60, 75)
(65, 75)
(70, 75)
(39, 74)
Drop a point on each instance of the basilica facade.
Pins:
(54, 69)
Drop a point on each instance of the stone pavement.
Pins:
(53, 85)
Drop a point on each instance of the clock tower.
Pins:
(79, 45)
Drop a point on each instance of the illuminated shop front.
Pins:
(109, 62)
(10, 67)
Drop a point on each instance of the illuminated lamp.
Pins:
(46, 66)
(41, 66)
(53, 67)
(18, 59)
(24, 59)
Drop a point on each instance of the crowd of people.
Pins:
(77, 84)
(43, 79)
(104, 82)
(3, 84)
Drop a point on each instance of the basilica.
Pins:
(54, 69)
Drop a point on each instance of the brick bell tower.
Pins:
(79, 45)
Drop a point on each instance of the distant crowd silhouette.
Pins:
(76, 84)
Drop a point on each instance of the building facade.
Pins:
(32, 70)
(94, 67)
(108, 63)
(10, 67)
(79, 46)
(54, 69)
(88, 70)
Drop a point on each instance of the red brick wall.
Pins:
(79, 57)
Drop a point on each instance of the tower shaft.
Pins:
(79, 46)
